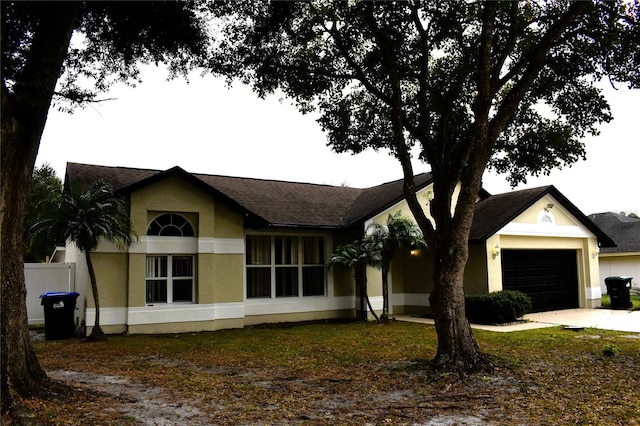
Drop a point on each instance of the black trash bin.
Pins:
(619, 290)
(59, 308)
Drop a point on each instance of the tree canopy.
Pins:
(503, 84)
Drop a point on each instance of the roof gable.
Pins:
(497, 211)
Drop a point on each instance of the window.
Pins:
(169, 279)
(285, 266)
(170, 225)
(258, 266)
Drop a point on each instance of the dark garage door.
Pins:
(549, 277)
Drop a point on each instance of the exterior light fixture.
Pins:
(596, 252)
(496, 251)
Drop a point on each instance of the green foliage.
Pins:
(610, 349)
(396, 233)
(498, 307)
(43, 198)
(86, 217)
(112, 39)
(357, 254)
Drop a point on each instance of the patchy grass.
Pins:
(341, 373)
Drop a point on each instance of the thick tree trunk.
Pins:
(457, 347)
(24, 113)
(96, 332)
(20, 368)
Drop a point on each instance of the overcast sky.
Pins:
(205, 127)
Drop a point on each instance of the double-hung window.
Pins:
(169, 279)
(285, 266)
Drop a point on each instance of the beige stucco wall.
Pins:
(562, 217)
(219, 276)
(175, 195)
(475, 272)
(111, 278)
(227, 278)
(343, 280)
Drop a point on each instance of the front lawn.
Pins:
(341, 373)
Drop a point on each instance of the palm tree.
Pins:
(398, 232)
(84, 218)
(358, 256)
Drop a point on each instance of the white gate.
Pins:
(43, 277)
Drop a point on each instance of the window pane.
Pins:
(183, 290)
(313, 250)
(313, 281)
(156, 266)
(286, 282)
(156, 291)
(286, 250)
(258, 250)
(182, 266)
(258, 282)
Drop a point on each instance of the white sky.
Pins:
(204, 127)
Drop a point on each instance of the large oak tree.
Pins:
(502, 84)
(39, 65)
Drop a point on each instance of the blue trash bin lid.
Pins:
(59, 294)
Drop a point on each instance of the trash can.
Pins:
(619, 290)
(59, 308)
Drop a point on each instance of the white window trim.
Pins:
(300, 266)
(170, 279)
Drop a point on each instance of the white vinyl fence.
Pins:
(43, 277)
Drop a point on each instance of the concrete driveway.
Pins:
(605, 319)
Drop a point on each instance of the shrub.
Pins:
(498, 307)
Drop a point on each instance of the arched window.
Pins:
(546, 217)
(170, 225)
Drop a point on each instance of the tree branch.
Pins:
(535, 62)
(360, 75)
(389, 61)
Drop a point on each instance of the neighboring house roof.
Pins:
(625, 231)
(304, 205)
(495, 212)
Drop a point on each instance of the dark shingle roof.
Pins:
(291, 204)
(120, 177)
(287, 203)
(278, 203)
(496, 211)
(625, 231)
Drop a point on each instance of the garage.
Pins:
(549, 277)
